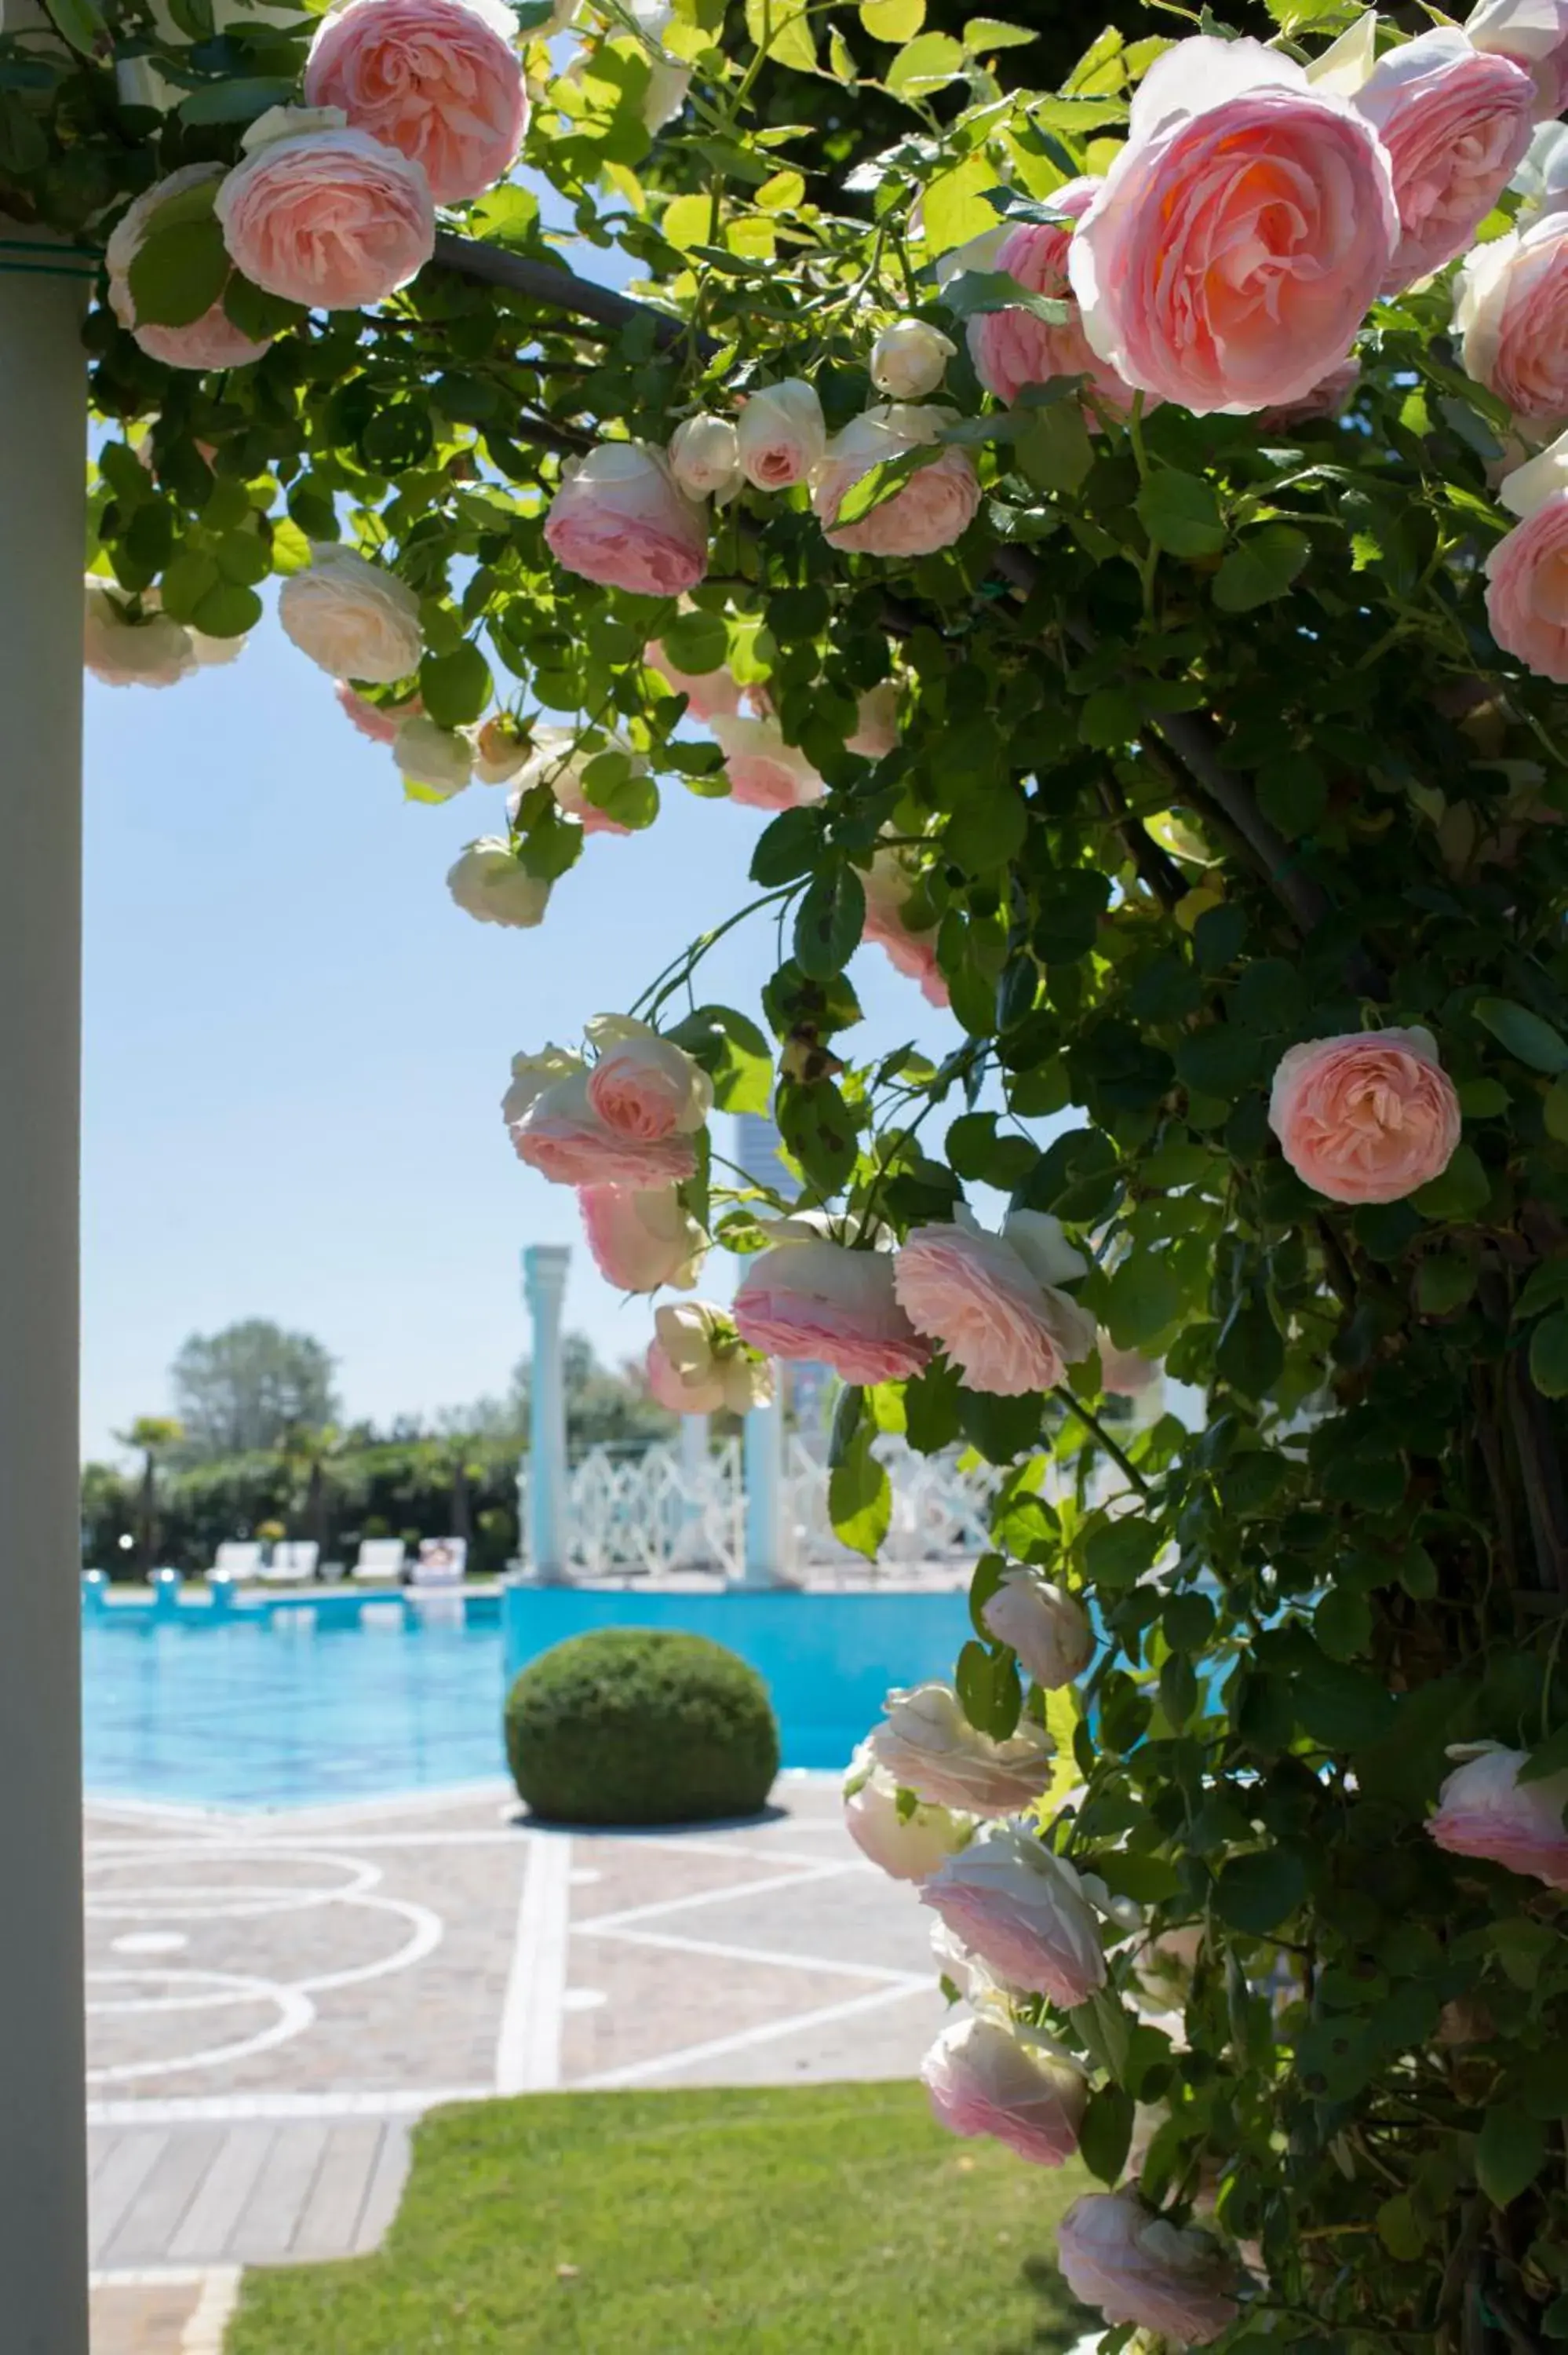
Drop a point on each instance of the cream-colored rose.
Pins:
(910, 359)
(123, 651)
(493, 885)
(641, 1238)
(353, 619)
(437, 760)
(642, 1086)
(931, 510)
(697, 1363)
(929, 1747)
(705, 458)
(781, 435)
(902, 1835)
(499, 753)
(1046, 1627)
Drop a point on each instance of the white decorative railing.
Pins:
(662, 1512)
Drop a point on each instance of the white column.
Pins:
(763, 1457)
(43, 2170)
(545, 1289)
(693, 1550)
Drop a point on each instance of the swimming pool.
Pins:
(290, 1707)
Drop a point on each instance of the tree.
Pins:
(1162, 671)
(246, 1388)
(155, 1436)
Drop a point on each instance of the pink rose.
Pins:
(620, 519)
(1455, 122)
(698, 1365)
(1046, 1627)
(441, 81)
(213, 341)
(642, 1086)
(1123, 1374)
(560, 1135)
(1022, 1910)
(1137, 2267)
(1365, 1117)
(821, 1301)
(781, 435)
(710, 694)
(988, 2077)
(1527, 571)
(1534, 33)
(328, 218)
(876, 723)
(889, 890)
(763, 772)
(641, 1239)
(995, 1302)
(1483, 1810)
(1012, 348)
(1237, 240)
(1510, 307)
(378, 721)
(928, 1745)
(904, 1837)
(934, 508)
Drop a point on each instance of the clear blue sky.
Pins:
(296, 1044)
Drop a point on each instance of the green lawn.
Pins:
(802, 2220)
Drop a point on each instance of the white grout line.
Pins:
(787, 1962)
(719, 2047)
(528, 2048)
(254, 2109)
(208, 2326)
(811, 1872)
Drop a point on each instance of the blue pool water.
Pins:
(291, 1708)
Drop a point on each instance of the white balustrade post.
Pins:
(545, 1289)
(763, 1457)
(695, 1485)
(42, 2154)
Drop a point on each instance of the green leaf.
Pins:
(986, 1681)
(1258, 1893)
(816, 1127)
(1181, 513)
(696, 642)
(830, 921)
(1105, 2135)
(179, 273)
(925, 65)
(1460, 1191)
(1003, 1429)
(860, 1496)
(1262, 568)
(1400, 2229)
(1143, 1299)
(455, 688)
(973, 292)
(1053, 449)
(1443, 1283)
(227, 611)
(787, 848)
(1527, 1037)
(1549, 1355)
(256, 313)
(1511, 2152)
(984, 33)
(1554, 1112)
(1250, 1352)
(783, 29)
(892, 20)
(1118, 1552)
(1293, 793)
(237, 100)
(82, 23)
(884, 482)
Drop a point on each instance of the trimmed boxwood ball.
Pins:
(640, 1725)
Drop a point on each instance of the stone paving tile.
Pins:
(142, 2321)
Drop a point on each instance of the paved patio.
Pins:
(273, 1999)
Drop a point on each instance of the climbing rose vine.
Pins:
(1109, 514)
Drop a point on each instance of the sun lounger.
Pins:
(441, 1562)
(239, 1558)
(380, 1559)
(292, 1559)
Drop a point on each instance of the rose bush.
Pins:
(1095, 512)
